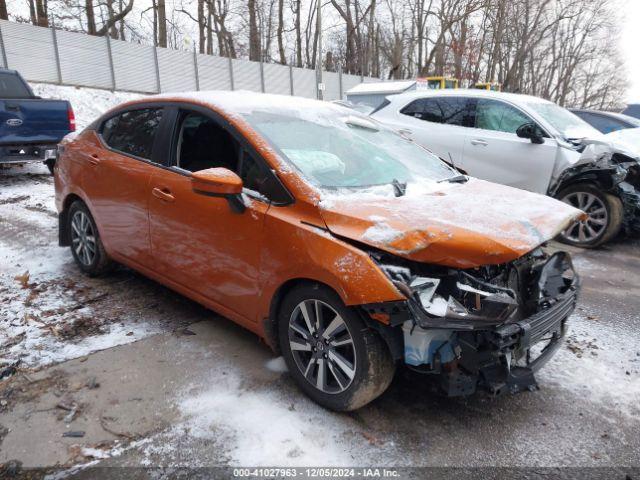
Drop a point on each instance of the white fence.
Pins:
(57, 56)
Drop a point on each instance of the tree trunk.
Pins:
(254, 35)
(210, 32)
(202, 27)
(154, 7)
(113, 31)
(283, 59)
(298, 30)
(41, 12)
(3, 10)
(162, 24)
(91, 17)
(121, 23)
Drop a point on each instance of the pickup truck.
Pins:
(30, 127)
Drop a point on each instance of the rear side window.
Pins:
(499, 116)
(448, 110)
(133, 132)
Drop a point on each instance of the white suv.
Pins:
(529, 143)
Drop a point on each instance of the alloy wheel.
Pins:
(587, 230)
(83, 239)
(322, 346)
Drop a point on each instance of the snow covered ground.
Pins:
(48, 312)
(48, 309)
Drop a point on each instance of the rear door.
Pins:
(117, 183)
(438, 123)
(494, 152)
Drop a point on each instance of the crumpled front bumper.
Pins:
(503, 358)
(546, 328)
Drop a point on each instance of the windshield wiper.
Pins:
(399, 188)
(455, 179)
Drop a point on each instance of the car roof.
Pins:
(469, 92)
(241, 101)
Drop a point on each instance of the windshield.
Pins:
(568, 124)
(335, 149)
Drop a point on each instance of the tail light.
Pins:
(72, 119)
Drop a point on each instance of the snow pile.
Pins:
(87, 103)
(261, 427)
(47, 315)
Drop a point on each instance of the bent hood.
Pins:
(626, 141)
(461, 225)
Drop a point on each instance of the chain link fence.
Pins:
(56, 56)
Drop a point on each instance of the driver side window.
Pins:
(499, 116)
(203, 144)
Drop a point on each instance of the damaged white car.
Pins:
(529, 143)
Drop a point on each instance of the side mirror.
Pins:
(219, 182)
(530, 131)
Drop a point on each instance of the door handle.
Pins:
(94, 159)
(405, 132)
(163, 194)
(478, 141)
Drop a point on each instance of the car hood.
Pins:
(460, 225)
(626, 141)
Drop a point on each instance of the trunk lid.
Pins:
(33, 121)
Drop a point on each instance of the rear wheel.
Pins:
(604, 216)
(331, 354)
(86, 246)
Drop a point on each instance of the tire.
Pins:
(87, 248)
(605, 216)
(355, 373)
(50, 164)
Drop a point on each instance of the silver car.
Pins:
(529, 143)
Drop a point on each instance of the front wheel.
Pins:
(331, 354)
(604, 216)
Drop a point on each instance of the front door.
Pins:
(199, 241)
(494, 152)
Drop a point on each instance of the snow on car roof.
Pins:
(468, 92)
(245, 102)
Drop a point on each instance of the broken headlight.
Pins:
(456, 298)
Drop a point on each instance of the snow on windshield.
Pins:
(334, 150)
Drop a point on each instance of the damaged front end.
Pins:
(612, 169)
(485, 328)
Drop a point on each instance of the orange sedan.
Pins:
(344, 245)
